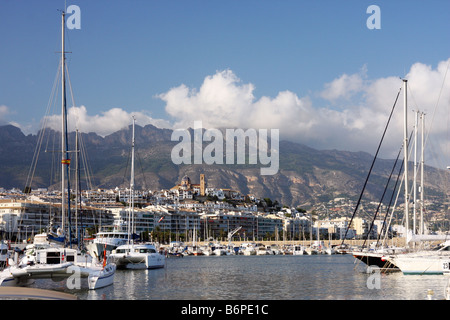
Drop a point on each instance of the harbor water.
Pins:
(270, 277)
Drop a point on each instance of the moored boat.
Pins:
(137, 256)
(435, 261)
(46, 261)
(57, 264)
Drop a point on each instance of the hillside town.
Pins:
(190, 211)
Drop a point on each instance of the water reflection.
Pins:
(264, 277)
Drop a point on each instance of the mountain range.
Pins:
(305, 175)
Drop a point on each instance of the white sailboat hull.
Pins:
(102, 278)
(44, 271)
(220, 252)
(421, 264)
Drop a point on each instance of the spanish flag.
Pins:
(65, 161)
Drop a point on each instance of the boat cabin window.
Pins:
(146, 250)
(120, 251)
(4, 251)
(53, 257)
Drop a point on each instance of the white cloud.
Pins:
(223, 101)
(345, 86)
(4, 111)
(106, 123)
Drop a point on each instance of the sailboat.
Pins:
(132, 255)
(59, 262)
(377, 256)
(435, 261)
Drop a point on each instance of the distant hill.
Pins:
(305, 176)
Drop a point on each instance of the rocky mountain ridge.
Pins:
(305, 175)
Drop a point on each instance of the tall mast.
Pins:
(422, 120)
(132, 178)
(77, 190)
(65, 161)
(130, 229)
(63, 122)
(416, 128)
(405, 148)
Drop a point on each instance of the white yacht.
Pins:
(298, 250)
(131, 255)
(274, 249)
(248, 249)
(207, 251)
(219, 250)
(57, 264)
(311, 250)
(106, 241)
(262, 250)
(435, 261)
(137, 256)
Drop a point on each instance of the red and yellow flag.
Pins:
(65, 161)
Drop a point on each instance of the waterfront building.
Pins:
(254, 227)
(140, 197)
(296, 227)
(166, 219)
(22, 219)
(101, 196)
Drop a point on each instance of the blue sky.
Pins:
(129, 53)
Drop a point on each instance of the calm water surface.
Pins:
(277, 277)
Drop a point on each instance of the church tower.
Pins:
(202, 185)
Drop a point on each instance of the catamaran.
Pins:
(132, 255)
(59, 261)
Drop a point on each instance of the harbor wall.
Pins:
(399, 242)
